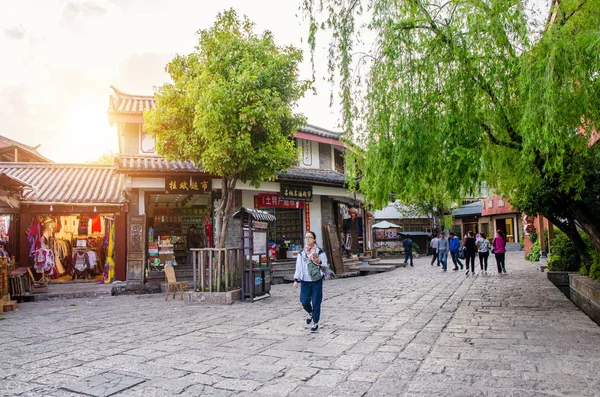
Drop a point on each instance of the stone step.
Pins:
(513, 247)
(9, 306)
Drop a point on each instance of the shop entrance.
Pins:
(175, 223)
(286, 233)
(72, 247)
(506, 225)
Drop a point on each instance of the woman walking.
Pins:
(471, 251)
(309, 275)
(483, 247)
(499, 249)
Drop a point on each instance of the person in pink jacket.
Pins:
(499, 247)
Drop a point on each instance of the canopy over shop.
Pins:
(71, 220)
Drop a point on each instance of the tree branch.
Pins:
(495, 141)
(484, 85)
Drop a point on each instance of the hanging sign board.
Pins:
(296, 192)
(187, 184)
(274, 200)
(259, 243)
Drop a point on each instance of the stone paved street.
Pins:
(411, 332)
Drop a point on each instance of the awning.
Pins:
(386, 225)
(257, 215)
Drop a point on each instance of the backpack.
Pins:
(314, 270)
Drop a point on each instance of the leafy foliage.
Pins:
(107, 158)
(461, 93)
(534, 253)
(230, 107)
(564, 256)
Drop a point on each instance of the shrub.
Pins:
(533, 236)
(522, 240)
(563, 254)
(416, 248)
(534, 253)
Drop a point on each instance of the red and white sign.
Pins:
(307, 216)
(274, 200)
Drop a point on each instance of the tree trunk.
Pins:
(572, 233)
(224, 210)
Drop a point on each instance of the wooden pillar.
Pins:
(543, 248)
(550, 235)
(22, 239)
(120, 246)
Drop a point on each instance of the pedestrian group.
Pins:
(472, 247)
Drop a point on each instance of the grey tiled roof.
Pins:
(255, 214)
(311, 129)
(470, 209)
(68, 183)
(131, 163)
(7, 143)
(125, 103)
(313, 175)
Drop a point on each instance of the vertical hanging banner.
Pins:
(307, 215)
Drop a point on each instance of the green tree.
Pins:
(107, 158)
(464, 92)
(230, 108)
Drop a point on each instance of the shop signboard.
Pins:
(296, 192)
(274, 200)
(188, 184)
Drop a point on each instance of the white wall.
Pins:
(315, 219)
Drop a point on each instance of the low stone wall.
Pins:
(585, 293)
(561, 281)
(214, 298)
(124, 288)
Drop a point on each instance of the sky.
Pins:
(60, 57)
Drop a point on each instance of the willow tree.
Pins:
(230, 108)
(460, 93)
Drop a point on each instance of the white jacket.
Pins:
(302, 261)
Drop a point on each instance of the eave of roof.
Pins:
(470, 209)
(313, 175)
(132, 164)
(31, 150)
(68, 183)
(124, 103)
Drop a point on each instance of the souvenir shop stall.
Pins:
(170, 220)
(286, 233)
(72, 247)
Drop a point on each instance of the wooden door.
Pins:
(332, 244)
(136, 248)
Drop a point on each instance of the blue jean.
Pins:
(443, 255)
(407, 256)
(455, 260)
(311, 296)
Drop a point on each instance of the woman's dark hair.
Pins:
(482, 235)
(470, 233)
(313, 234)
(501, 233)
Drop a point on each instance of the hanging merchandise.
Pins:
(96, 224)
(84, 221)
(109, 268)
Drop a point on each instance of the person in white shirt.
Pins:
(310, 277)
(434, 246)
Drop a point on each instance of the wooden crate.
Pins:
(20, 284)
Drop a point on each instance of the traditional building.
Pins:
(167, 197)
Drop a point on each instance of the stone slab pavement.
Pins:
(410, 332)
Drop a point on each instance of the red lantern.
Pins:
(369, 214)
(353, 212)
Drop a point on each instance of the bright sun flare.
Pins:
(88, 132)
